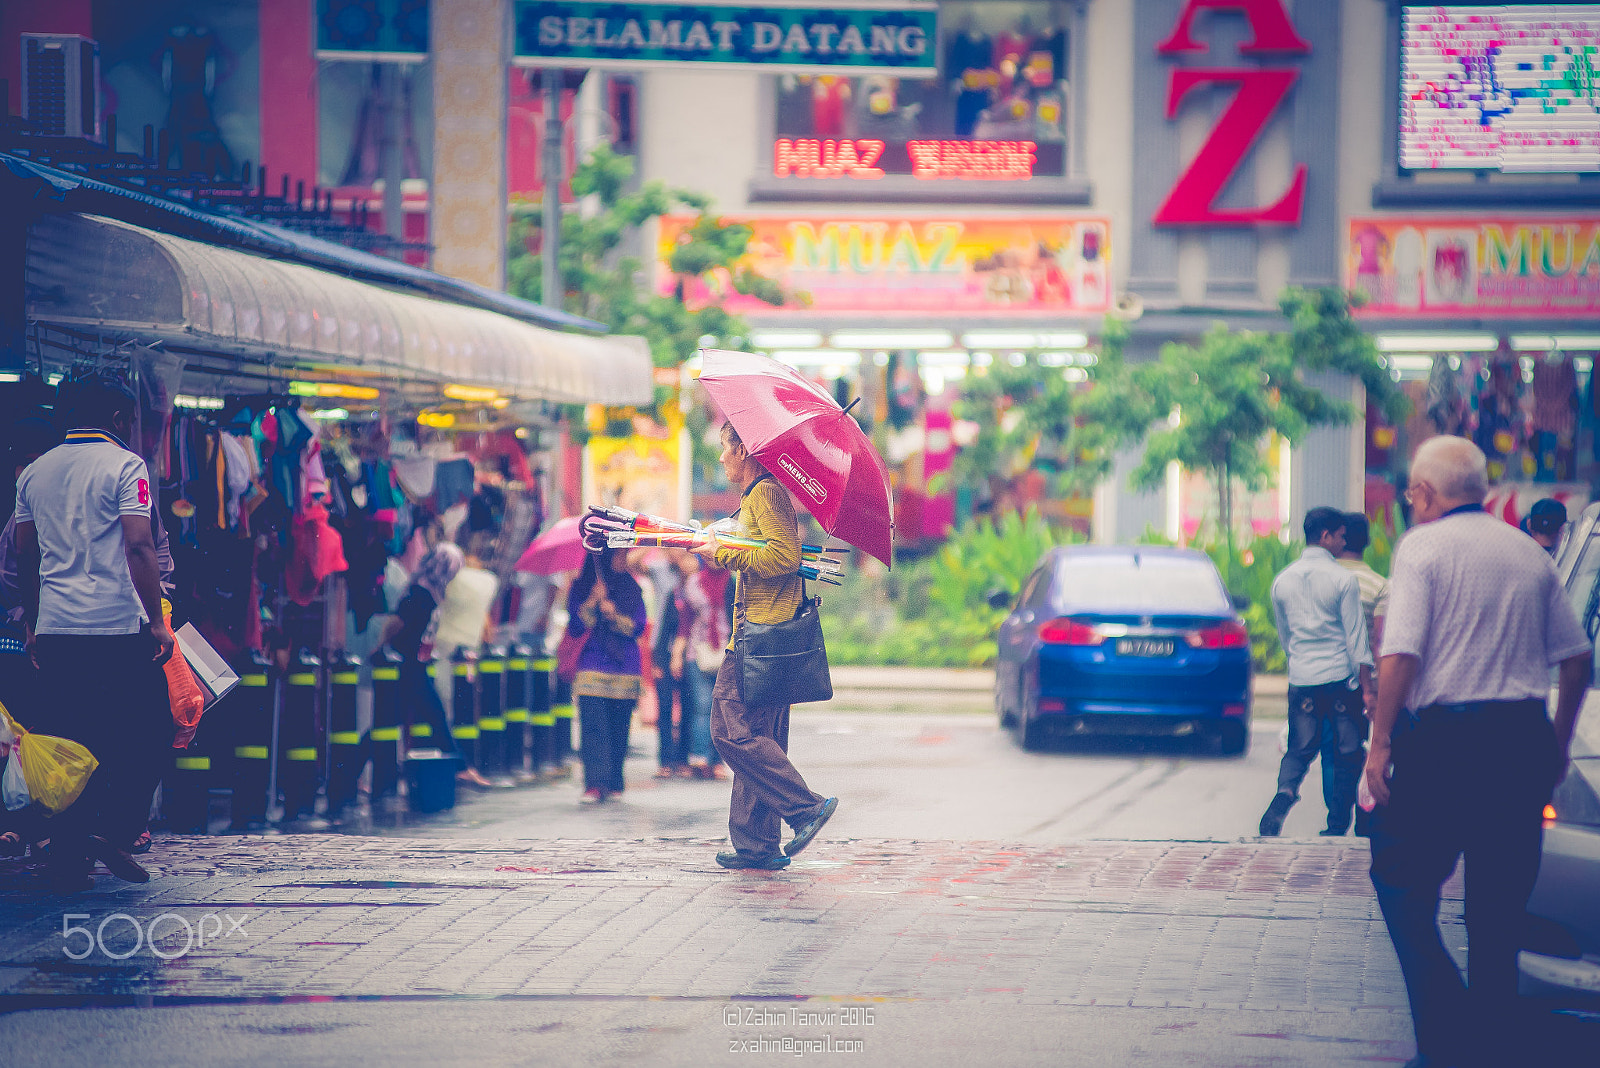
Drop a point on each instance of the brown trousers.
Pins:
(754, 742)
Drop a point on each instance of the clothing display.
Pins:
(1446, 405)
(1555, 395)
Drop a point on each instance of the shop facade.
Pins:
(1181, 163)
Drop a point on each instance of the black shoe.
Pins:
(1272, 819)
(737, 859)
(803, 836)
(117, 861)
(1331, 833)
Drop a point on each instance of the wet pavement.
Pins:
(1156, 939)
(927, 775)
(970, 901)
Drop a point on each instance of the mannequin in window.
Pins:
(190, 59)
(1500, 432)
(969, 66)
(1555, 416)
(1010, 51)
(830, 100)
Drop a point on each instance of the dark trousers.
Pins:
(754, 742)
(1473, 780)
(105, 692)
(1341, 775)
(672, 749)
(1337, 707)
(420, 703)
(603, 724)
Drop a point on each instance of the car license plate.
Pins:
(1144, 647)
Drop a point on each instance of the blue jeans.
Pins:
(1341, 775)
(672, 730)
(697, 713)
(1336, 707)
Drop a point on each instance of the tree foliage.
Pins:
(601, 281)
(1211, 407)
(1026, 419)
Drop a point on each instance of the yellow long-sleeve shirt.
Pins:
(769, 588)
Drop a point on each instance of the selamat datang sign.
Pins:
(886, 38)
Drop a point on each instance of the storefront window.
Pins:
(999, 109)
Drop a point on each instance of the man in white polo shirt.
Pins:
(1476, 619)
(91, 593)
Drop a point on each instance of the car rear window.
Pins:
(1139, 583)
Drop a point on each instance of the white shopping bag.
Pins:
(212, 672)
(13, 787)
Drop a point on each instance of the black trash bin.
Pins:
(431, 780)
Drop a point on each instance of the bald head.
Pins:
(1447, 473)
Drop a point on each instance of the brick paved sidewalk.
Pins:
(1259, 926)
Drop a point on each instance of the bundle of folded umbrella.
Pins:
(618, 528)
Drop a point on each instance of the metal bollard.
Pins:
(541, 720)
(251, 712)
(463, 705)
(491, 679)
(561, 707)
(186, 788)
(347, 756)
(517, 714)
(385, 733)
(300, 740)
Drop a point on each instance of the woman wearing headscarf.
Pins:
(411, 635)
(605, 608)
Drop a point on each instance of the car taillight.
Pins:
(1070, 632)
(1229, 635)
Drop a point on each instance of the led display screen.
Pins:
(1508, 87)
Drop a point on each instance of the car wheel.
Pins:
(1032, 735)
(1233, 738)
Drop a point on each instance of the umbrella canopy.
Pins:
(558, 549)
(809, 443)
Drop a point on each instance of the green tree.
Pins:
(1025, 416)
(1211, 407)
(603, 283)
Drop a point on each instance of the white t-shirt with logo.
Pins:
(75, 496)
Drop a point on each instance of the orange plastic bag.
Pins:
(55, 769)
(182, 691)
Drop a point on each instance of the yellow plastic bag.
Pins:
(55, 769)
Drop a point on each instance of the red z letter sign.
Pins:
(1198, 187)
(1269, 23)
(1190, 203)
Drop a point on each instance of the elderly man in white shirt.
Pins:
(1317, 605)
(1476, 620)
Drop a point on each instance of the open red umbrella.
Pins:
(809, 443)
(558, 549)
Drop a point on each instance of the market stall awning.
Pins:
(90, 272)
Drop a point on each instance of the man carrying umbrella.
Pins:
(754, 741)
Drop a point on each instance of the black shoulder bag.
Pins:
(785, 663)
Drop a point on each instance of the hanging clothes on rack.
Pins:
(1555, 417)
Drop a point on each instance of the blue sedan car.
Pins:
(1129, 640)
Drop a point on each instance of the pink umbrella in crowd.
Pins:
(558, 549)
(809, 443)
